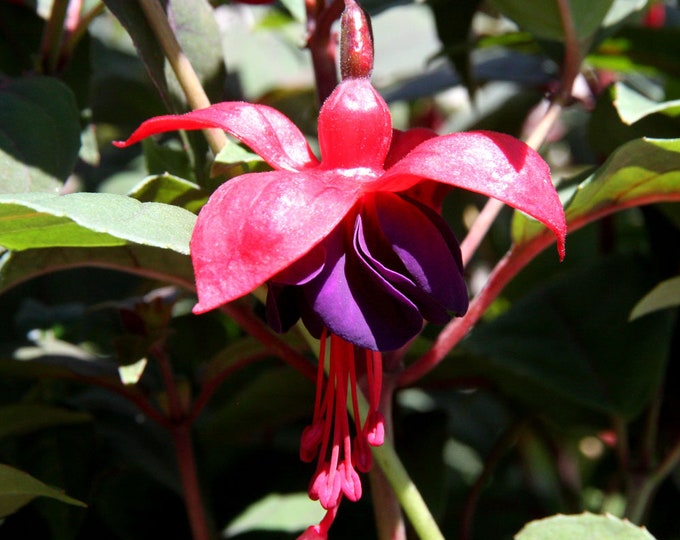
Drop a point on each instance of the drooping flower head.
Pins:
(346, 242)
(352, 243)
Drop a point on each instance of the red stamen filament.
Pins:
(335, 474)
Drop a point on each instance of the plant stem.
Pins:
(188, 80)
(497, 452)
(51, 38)
(507, 268)
(245, 318)
(403, 487)
(388, 517)
(186, 461)
(641, 493)
(180, 429)
(322, 47)
(78, 32)
(407, 493)
(570, 68)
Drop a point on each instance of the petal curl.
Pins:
(265, 130)
(417, 236)
(355, 127)
(358, 304)
(493, 164)
(256, 225)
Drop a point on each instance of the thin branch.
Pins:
(52, 35)
(506, 269)
(247, 320)
(570, 69)
(210, 386)
(188, 80)
(499, 449)
(322, 47)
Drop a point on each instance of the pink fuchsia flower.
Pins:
(348, 242)
(353, 244)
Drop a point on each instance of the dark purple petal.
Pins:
(359, 305)
(493, 164)
(282, 307)
(425, 249)
(377, 256)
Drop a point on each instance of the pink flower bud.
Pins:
(356, 42)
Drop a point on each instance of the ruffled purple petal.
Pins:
(418, 236)
(376, 254)
(358, 304)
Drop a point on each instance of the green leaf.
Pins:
(251, 408)
(151, 262)
(40, 136)
(543, 19)
(291, 513)
(568, 346)
(196, 30)
(42, 220)
(632, 106)
(665, 295)
(640, 172)
(590, 526)
(639, 49)
(18, 489)
(20, 418)
(169, 189)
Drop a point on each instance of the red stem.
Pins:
(322, 46)
(256, 328)
(506, 269)
(180, 428)
(186, 461)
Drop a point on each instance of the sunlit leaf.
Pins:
(169, 189)
(543, 18)
(590, 526)
(665, 295)
(632, 106)
(292, 512)
(640, 172)
(42, 220)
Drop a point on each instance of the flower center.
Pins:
(339, 454)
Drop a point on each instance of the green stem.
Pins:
(394, 471)
(388, 516)
(407, 493)
(188, 80)
(642, 490)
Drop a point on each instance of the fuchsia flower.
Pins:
(353, 244)
(349, 243)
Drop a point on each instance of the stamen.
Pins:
(341, 456)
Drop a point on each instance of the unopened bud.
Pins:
(356, 42)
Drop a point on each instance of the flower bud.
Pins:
(356, 42)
